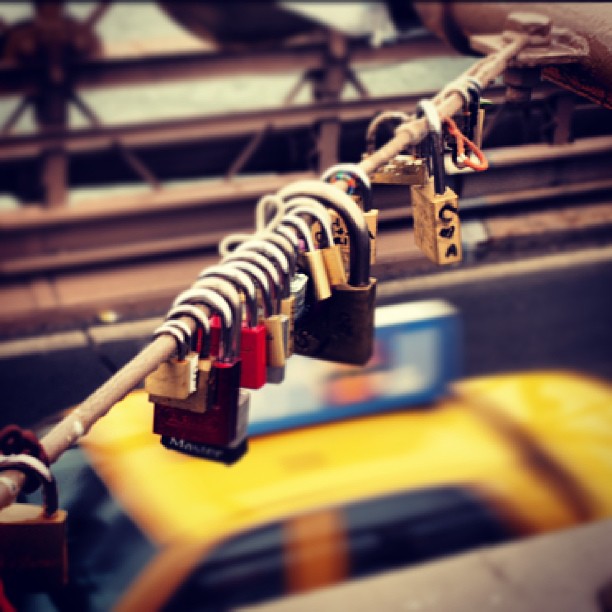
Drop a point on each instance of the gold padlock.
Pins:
(33, 553)
(322, 235)
(311, 259)
(198, 400)
(175, 378)
(403, 169)
(437, 229)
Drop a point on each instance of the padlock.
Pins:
(196, 401)
(219, 433)
(282, 252)
(404, 168)
(311, 260)
(437, 229)
(360, 189)
(342, 327)
(323, 237)
(33, 554)
(176, 377)
(229, 293)
(262, 264)
(276, 323)
(210, 429)
(475, 112)
(252, 334)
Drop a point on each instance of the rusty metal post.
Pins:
(51, 107)
(327, 87)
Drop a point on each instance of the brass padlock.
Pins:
(33, 554)
(360, 189)
(323, 237)
(403, 169)
(437, 229)
(176, 377)
(311, 260)
(196, 401)
(342, 327)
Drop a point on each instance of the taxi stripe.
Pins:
(316, 551)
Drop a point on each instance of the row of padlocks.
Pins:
(300, 285)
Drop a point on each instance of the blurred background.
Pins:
(135, 136)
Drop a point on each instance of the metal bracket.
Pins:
(547, 44)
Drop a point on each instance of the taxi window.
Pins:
(382, 534)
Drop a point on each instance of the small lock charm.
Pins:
(360, 190)
(33, 553)
(437, 229)
(341, 328)
(176, 377)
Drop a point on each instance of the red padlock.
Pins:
(252, 334)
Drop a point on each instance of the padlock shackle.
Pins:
(474, 90)
(241, 281)
(260, 278)
(229, 293)
(265, 247)
(199, 318)
(264, 265)
(343, 204)
(29, 465)
(180, 331)
(315, 210)
(364, 186)
(427, 109)
(300, 226)
(288, 247)
(218, 304)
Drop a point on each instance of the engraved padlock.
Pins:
(196, 401)
(437, 229)
(33, 553)
(177, 376)
(360, 189)
(276, 323)
(342, 327)
(323, 236)
(219, 434)
(252, 334)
